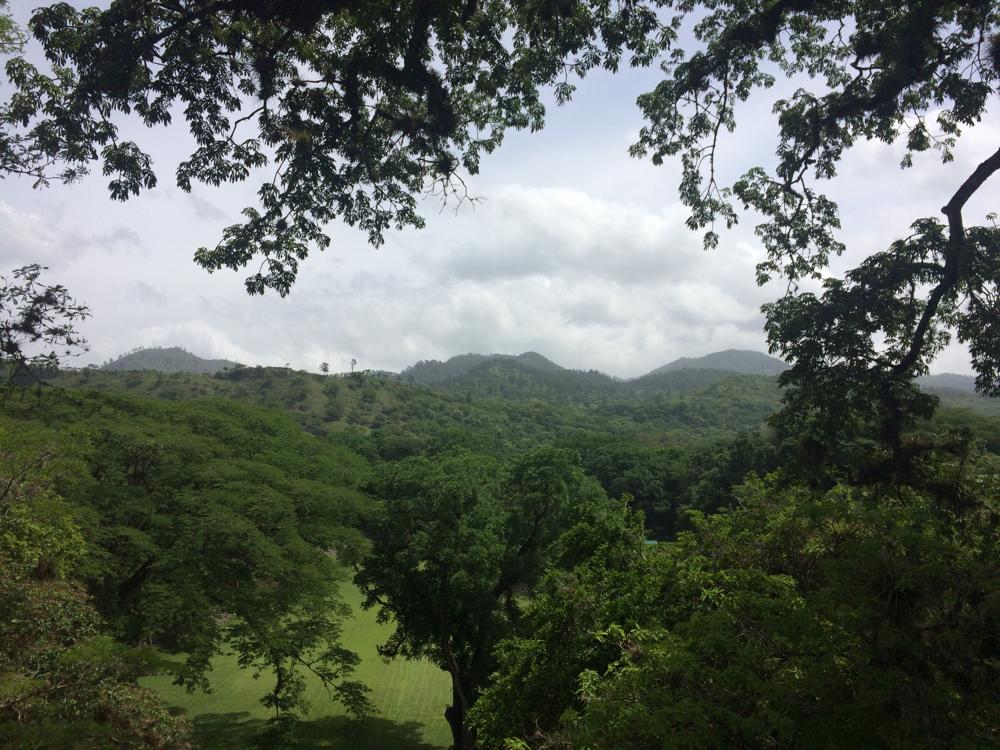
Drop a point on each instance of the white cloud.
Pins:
(577, 252)
(560, 232)
(196, 336)
(28, 238)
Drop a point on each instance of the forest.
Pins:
(495, 552)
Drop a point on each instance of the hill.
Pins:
(532, 376)
(488, 411)
(731, 360)
(168, 359)
(434, 372)
(948, 381)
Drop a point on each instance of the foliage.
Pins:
(11, 37)
(530, 375)
(868, 72)
(404, 419)
(663, 482)
(800, 619)
(683, 442)
(457, 541)
(64, 683)
(34, 316)
(209, 525)
(359, 106)
(168, 359)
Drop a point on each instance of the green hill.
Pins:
(730, 360)
(501, 408)
(533, 376)
(948, 381)
(168, 359)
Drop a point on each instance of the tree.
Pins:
(800, 619)
(64, 682)
(357, 106)
(915, 71)
(324, 368)
(35, 317)
(11, 37)
(211, 526)
(456, 542)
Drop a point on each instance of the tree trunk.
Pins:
(461, 737)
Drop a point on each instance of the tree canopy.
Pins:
(800, 619)
(209, 526)
(354, 107)
(65, 682)
(458, 540)
(853, 594)
(913, 71)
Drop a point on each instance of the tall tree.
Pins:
(64, 681)
(456, 543)
(212, 526)
(802, 619)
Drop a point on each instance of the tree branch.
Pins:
(953, 256)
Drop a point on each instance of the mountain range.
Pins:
(531, 373)
(435, 372)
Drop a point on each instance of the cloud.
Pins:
(621, 323)
(205, 210)
(144, 294)
(197, 336)
(118, 237)
(530, 231)
(31, 237)
(589, 282)
(577, 252)
(27, 238)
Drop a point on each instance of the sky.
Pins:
(575, 250)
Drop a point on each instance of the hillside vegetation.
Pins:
(167, 359)
(192, 494)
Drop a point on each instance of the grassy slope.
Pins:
(410, 696)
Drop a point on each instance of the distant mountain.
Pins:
(949, 380)
(679, 381)
(434, 372)
(168, 359)
(535, 361)
(533, 376)
(731, 360)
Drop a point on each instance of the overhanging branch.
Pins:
(953, 257)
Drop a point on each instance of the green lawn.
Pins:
(410, 697)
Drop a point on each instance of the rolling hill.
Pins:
(168, 359)
(731, 360)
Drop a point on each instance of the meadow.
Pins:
(413, 693)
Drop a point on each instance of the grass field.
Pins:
(410, 697)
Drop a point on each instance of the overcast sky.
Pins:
(576, 251)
